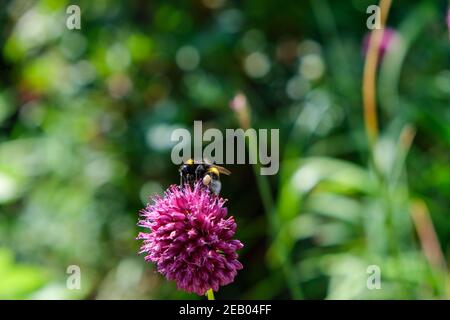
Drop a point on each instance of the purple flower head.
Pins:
(190, 238)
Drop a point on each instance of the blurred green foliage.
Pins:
(85, 123)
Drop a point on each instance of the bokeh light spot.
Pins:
(257, 65)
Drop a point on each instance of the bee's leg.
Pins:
(215, 186)
(182, 179)
(199, 171)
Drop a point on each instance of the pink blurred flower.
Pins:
(448, 21)
(388, 41)
(190, 238)
(239, 102)
(239, 105)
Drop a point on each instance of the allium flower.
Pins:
(190, 238)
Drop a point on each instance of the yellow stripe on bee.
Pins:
(190, 161)
(213, 170)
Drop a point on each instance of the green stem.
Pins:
(210, 294)
(263, 186)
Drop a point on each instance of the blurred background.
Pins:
(85, 123)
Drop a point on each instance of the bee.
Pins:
(192, 171)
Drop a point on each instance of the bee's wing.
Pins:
(222, 169)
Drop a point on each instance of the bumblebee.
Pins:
(192, 171)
